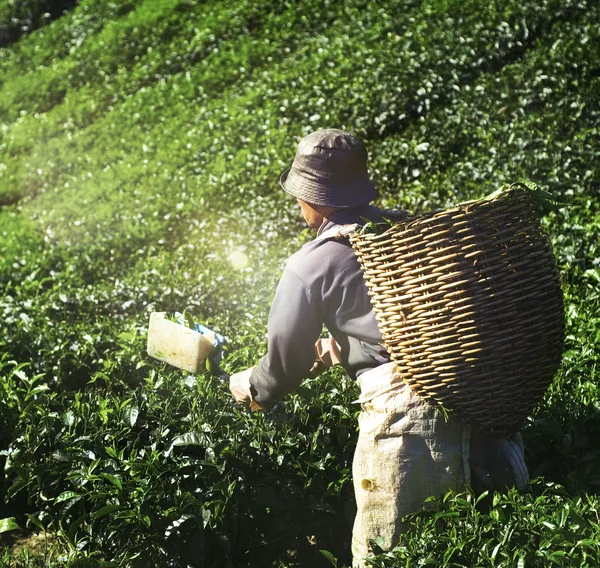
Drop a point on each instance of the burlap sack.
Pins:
(407, 451)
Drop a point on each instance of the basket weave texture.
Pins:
(469, 304)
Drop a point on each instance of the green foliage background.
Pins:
(140, 148)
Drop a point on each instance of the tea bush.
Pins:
(543, 528)
(140, 148)
(18, 18)
(116, 474)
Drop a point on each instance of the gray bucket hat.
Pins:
(330, 169)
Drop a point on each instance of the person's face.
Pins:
(314, 219)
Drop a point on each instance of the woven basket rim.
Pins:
(465, 207)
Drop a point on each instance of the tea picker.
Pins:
(451, 323)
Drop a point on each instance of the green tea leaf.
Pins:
(8, 524)
(190, 439)
(112, 479)
(131, 414)
(107, 510)
(66, 496)
(330, 557)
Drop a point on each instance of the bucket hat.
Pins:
(330, 169)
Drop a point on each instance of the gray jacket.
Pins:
(321, 285)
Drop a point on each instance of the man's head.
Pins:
(330, 171)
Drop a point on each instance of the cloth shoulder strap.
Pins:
(339, 231)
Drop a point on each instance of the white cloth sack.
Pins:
(407, 451)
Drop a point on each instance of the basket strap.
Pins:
(466, 452)
(513, 452)
(340, 231)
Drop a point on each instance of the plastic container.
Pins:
(177, 344)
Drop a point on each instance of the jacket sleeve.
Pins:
(295, 323)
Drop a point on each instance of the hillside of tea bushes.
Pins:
(140, 149)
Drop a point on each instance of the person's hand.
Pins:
(328, 351)
(328, 354)
(239, 385)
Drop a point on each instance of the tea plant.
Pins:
(140, 148)
(542, 528)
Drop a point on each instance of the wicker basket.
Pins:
(469, 304)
